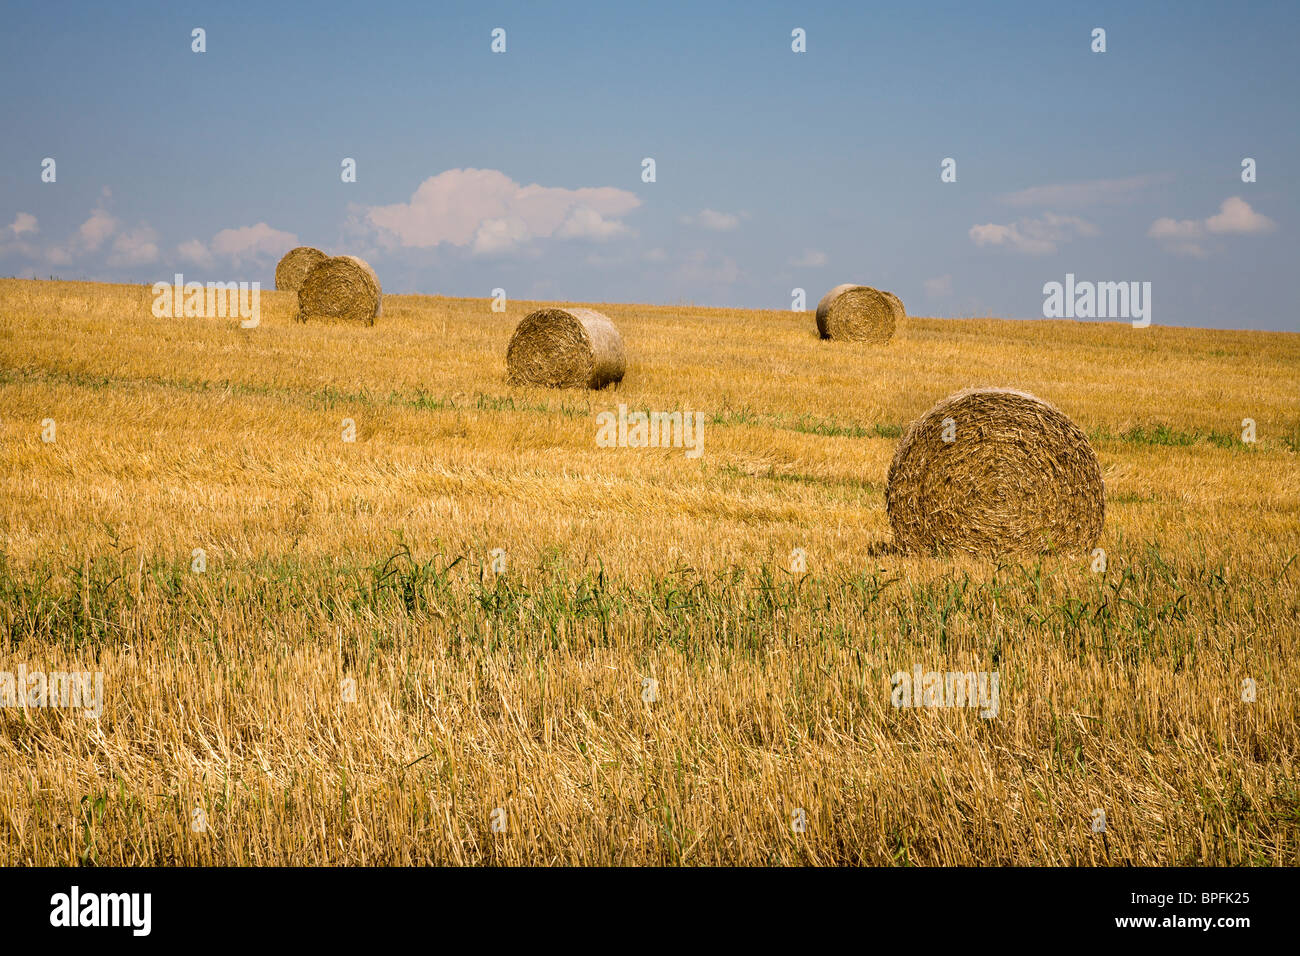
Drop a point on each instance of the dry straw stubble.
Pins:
(566, 348)
(341, 287)
(857, 313)
(293, 267)
(1017, 477)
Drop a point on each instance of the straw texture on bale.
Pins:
(1018, 478)
(899, 312)
(293, 268)
(565, 348)
(858, 313)
(341, 287)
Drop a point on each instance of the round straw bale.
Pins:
(856, 312)
(899, 312)
(295, 265)
(565, 348)
(1015, 477)
(341, 287)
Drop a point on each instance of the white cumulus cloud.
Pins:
(499, 235)
(101, 234)
(488, 212)
(192, 250)
(96, 229)
(12, 236)
(135, 248)
(255, 243)
(585, 223)
(89, 237)
(1235, 217)
(258, 241)
(23, 223)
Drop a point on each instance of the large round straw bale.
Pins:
(899, 312)
(565, 348)
(341, 287)
(1016, 477)
(295, 265)
(856, 312)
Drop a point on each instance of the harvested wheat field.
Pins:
(471, 634)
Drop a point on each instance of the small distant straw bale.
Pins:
(857, 313)
(293, 268)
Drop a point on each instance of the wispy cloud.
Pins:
(1092, 192)
(811, 259)
(713, 219)
(1033, 237)
(940, 287)
(710, 269)
(488, 212)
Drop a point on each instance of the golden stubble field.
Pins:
(348, 680)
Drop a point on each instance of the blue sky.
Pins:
(774, 169)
